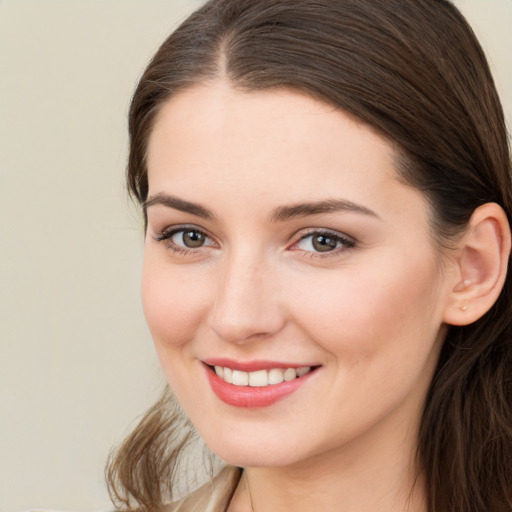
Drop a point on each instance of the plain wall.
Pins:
(76, 360)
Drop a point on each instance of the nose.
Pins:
(246, 305)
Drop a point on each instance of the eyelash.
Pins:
(167, 234)
(346, 242)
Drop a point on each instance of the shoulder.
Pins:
(214, 496)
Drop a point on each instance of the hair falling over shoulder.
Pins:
(143, 468)
(414, 71)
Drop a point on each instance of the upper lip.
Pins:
(253, 366)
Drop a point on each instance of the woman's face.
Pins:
(281, 242)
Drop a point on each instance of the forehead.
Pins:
(262, 149)
(255, 129)
(219, 106)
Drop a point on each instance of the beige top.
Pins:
(213, 496)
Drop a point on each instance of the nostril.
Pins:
(242, 332)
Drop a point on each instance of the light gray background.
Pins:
(76, 360)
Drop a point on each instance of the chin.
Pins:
(256, 458)
(255, 451)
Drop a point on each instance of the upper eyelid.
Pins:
(171, 230)
(305, 232)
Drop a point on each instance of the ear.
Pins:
(481, 265)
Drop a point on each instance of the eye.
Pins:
(323, 242)
(185, 238)
(190, 238)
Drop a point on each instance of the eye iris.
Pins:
(193, 239)
(323, 243)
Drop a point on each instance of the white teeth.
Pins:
(290, 374)
(303, 370)
(260, 378)
(240, 378)
(275, 376)
(228, 375)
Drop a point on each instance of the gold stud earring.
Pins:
(464, 308)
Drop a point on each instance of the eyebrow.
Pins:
(280, 214)
(284, 213)
(178, 204)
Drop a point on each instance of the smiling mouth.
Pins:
(263, 386)
(260, 378)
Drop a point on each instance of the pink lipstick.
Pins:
(257, 383)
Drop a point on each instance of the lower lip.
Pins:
(253, 397)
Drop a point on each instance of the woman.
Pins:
(326, 189)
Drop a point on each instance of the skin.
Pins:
(369, 312)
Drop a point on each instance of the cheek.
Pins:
(173, 307)
(380, 336)
(357, 314)
(172, 301)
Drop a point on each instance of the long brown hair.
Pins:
(414, 71)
